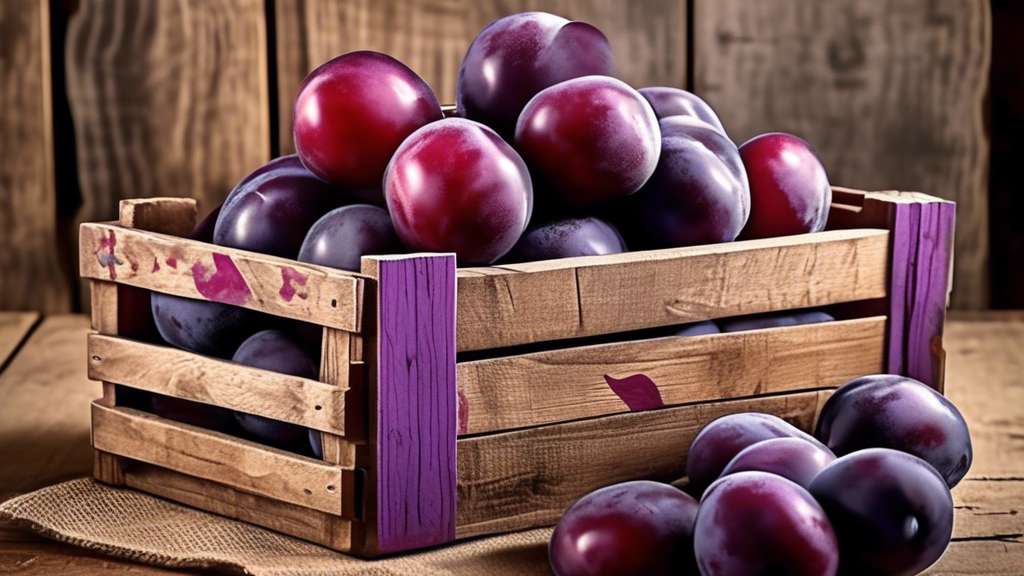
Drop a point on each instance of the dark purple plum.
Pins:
(344, 235)
(456, 186)
(760, 524)
(517, 56)
(697, 195)
(773, 320)
(677, 102)
(642, 528)
(697, 329)
(194, 413)
(274, 350)
(721, 440)
(892, 512)
(353, 112)
(271, 211)
(789, 190)
(884, 411)
(794, 459)
(566, 238)
(316, 443)
(588, 140)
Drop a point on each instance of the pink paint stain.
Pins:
(105, 254)
(638, 391)
(172, 262)
(135, 267)
(156, 265)
(225, 285)
(463, 412)
(289, 275)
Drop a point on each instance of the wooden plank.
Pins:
(183, 374)
(891, 94)
(414, 410)
(980, 558)
(528, 478)
(572, 297)
(171, 216)
(432, 36)
(231, 461)
(105, 305)
(33, 275)
(989, 509)
(193, 269)
(42, 558)
(572, 383)
(14, 328)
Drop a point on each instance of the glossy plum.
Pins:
(789, 190)
(697, 329)
(884, 411)
(517, 56)
(755, 523)
(774, 320)
(721, 440)
(272, 213)
(353, 112)
(698, 193)
(566, 238)
(456, 186)
(589, 139)
(194, 413)
(274, 350)
(344, 235)
(642, 528)
(794, 459)
(677, 102)
(892, 512)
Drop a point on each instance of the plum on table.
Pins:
(794, 459)
(678, 102)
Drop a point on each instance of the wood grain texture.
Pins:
(183, 374)
(573, 297)
(171, 216)
(194, 269)
(32, 278)
(891, 94)
(432, 36)
(569, 384)
(336, 371)
(528, 478)
(415, 402)
(14, 328)
(231, 461)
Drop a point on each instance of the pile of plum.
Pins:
(766, 498)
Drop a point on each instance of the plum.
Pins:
(676, 102)
(755, 523)
(589, 139)
(194, 413)
(456, 186)
(271, 212)
(641, 527)
(517, 56)
(892, 512)
(566, 238)
(721, 440)
(697, 195)
(353, 112)
(794, 459)
(697, 329)
(344, 235)
(774, 320)
(789, 190)
(884, 411)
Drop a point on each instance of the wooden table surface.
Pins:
(44, 438)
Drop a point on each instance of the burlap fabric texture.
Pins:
(142, 528)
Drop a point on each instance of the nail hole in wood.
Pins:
(307, 491)
(96, 358)
(331, 489)
(319, 407)
(334, 303)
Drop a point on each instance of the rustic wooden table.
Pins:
(44, 438)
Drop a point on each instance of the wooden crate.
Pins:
(451, 403)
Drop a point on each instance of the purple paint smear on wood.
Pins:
(105, 254)
(417, 412)
(638, 391)
(226, 284)
(288, 291)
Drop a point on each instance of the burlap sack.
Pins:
(142, 528)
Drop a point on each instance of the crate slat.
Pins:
(224, 459)
(573, 297)
(182, 374)
(528, 478)
(198, 270)
(572, 383)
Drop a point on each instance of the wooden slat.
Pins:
(171, 216)
(193, 269)
(521, 303)
(528, 478)
(182, 374)
(33, 277)
(14, 328)
(214, 456)
(891, 94)
(572, 383)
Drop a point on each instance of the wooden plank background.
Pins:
(185, 97)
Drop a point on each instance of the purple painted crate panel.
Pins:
(416, 403)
